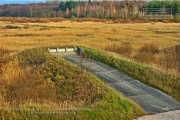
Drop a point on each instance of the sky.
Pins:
(20, 1)
(23, 1)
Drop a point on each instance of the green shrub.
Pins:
(12, 27)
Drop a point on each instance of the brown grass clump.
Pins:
(144, 57)
(147, 53)
(117, 21)
(42, 20)
(56, 19)
(79, 20)
(4, 55)
(170, 58)
(22, 20)
(129, 21)
(167, 21)
(124, 49)
(98, 20)
(152, 23)
(33, 20)
(149, 48)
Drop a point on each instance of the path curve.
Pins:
(150, 99)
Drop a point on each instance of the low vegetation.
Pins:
(37, 85)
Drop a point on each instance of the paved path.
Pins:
(150, 99)
(172, 115)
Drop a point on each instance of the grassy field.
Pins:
(91, 34)
(124, 40)
(149, 44)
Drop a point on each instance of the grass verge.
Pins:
(168, 83)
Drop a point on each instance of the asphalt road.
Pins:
(171, 115)
(150, 99)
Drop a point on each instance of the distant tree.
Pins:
(31, 12)
(62, 6)
(59, 13)
(175, 5)
(78, 10)
(67, 13)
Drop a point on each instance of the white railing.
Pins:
(63, 49)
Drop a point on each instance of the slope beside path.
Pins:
(150, 99)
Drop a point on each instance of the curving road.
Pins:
(150, 99)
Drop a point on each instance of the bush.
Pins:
(98, 20)
(117, 21)
(73, 17)
(44, 21)
(56, 19)
(167, 21)
(26, 26)
(79, 20)
(44, 28)
(149, 48)
(11, 27)
(33, 20)
(23, 20)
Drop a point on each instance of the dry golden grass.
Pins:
(95, 35)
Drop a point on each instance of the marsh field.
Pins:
(154, 44)
(146, 43)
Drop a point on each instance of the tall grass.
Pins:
(170, 59)
(124, 49)
(147, 54)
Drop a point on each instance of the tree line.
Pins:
(87, 9)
